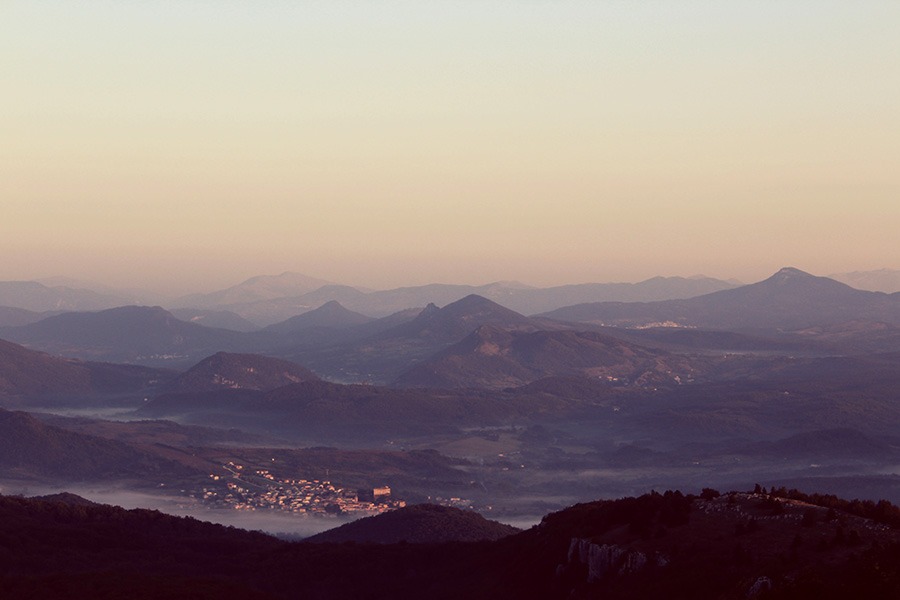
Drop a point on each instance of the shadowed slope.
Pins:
(421, 523)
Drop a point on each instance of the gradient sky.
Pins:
(186, 145)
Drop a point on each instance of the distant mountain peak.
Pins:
(441, 327)
(35, 296)
(474, 310)
(334, 310)
(789, 300)
(332, 314)
(474, 302)
(790, 273)
(795, 279)
(472, 299)
(261, 287)
(332, 305)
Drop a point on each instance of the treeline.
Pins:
(643, 514)
(881, 512)
(55, 550)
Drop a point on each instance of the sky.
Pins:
(187, 145)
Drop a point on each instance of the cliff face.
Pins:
(603, 559)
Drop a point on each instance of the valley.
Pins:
(509, 414)
(333, 417)
(449, 300)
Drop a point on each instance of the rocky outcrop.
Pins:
(762, 584)
(610, 559)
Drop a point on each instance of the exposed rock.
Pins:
(762, 584)
(602, 559)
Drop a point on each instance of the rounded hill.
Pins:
(419, 524)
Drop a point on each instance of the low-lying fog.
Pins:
(102, 413)
(275, 523)
(291, 526)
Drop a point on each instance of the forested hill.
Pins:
(736, 545)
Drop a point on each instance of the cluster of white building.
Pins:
(262, 490)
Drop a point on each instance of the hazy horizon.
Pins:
(93, 284)
(185, 147)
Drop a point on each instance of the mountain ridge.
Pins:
(493, 357)
(784, 544)
(28, 373)
(37, 297)
(30, 448)
(148, 335)
(514, 295)
(331, 314)
(789, 299)
(417, 524)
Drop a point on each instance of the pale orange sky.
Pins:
(189, 145)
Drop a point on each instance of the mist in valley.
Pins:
(295, 526)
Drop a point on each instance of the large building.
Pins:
(374, 494)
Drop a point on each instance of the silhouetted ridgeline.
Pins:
(734, 545)
(420, 523)
(788, 300)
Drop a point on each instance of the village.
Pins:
(260, 489)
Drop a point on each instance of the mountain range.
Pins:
(536, 408)
(379, 354)
(790, 312)
(269, 299)
(788, 300)
(260, 288)
(134, 334)
(38, 297)
(261, 305)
